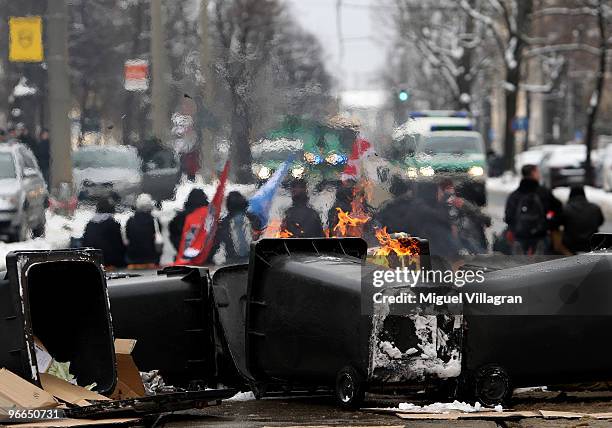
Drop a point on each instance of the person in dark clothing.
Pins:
(43, 154)
(141, 232)
(196, 199)
(236, 230)
(395, 214)
(431, 215)
(300, 220)
(104, 232)
(470, 220)
(581, 219)
(532, 214)
(26, 139)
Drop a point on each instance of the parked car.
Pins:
(606, 169)
(161, 174)
(534, 155)
(23, 194)
(108, 171)
(564, 166)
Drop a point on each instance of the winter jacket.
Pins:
(432, 221)
(302, 222)
(581, 219)
(175, 228)
(234, 235)
(140, 234)
(397, 215)
(103, 232)
(552, 207)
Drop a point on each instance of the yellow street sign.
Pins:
(25, 39)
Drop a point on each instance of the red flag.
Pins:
(361, 149)
(201, 227)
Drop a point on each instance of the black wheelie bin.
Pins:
(60, 298)
(301, 318)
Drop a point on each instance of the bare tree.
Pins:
(449, 40)
(601, 12)
(245, 31)
(509, 24)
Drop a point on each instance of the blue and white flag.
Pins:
(261, 202)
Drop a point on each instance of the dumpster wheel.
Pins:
(350, 391)
(492, 385)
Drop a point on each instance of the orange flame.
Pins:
(401, 246)
(274, 230)
(349, 225)
(283, 233)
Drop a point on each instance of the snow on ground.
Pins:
(58, 231)
(242, 396)
(455, 406)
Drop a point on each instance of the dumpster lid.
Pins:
(161, 403)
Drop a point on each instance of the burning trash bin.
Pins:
(307, 322)
(54, 304)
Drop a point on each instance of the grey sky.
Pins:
(363, 53)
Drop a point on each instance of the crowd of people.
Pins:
(40, 146)
(537, 222)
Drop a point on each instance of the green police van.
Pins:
(430, 147)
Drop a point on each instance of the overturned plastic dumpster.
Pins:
(304, 315)
(302, 318)
(56, 333)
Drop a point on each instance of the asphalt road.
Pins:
(320, 411)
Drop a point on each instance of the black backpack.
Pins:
(530, 216)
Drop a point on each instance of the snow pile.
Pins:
(457, 406)
(58, 231)
(390, 350)
(242, 396)
(442, 408)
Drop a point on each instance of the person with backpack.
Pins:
(532, 214)
(581, 219)
(143, 235)
(236, 231)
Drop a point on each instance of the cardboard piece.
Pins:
(15, 391)
(501, 415)
(61, 423)
(451, 416)
(552, 414)
(68, 392)
(606, 415)
(129, 382)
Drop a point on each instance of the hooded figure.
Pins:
(532, 213)
(300, 219)
(396, 214)
(141, 230)
(581, 219)
(432, 216)
(196, 199)
(104, 232)
(236, 230)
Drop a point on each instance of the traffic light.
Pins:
(403, 95)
